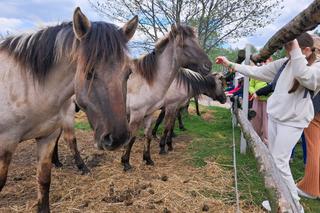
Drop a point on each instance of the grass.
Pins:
(213, 140)
(83, 126)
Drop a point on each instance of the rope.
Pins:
(235, 161)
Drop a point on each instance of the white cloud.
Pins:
(9, 25)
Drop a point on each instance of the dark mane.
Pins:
(146, 65)
(38, 52)
(195, 82)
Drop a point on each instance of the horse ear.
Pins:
(130, 27)
(81, 24)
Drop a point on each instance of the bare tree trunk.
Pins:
(303, 22)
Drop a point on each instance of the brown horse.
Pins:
(152, 76)
(40, 72)
(186, 85)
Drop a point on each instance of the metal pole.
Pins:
(245, 100)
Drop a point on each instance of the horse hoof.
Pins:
(183, 129)
(84, 170)
(170, 148)
(150, 163)
(148, 160)
(58, 164)
(127, 167)
(163, 152)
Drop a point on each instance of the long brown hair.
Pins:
(305, 40)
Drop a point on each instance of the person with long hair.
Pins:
(290, 107)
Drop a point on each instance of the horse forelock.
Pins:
(104, 43)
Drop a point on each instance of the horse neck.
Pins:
(61, 81)
(167, 68)
(57, 88)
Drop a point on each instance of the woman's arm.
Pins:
(264, 73)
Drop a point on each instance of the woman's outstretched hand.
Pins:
(225, 62)
(222, 60)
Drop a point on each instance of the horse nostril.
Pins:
(107, 141)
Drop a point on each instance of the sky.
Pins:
(18, 16)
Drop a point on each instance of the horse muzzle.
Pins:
(112, 142)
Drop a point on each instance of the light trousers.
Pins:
(282, 139)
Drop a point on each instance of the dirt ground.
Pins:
(172, 185)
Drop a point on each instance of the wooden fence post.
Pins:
(245, 100)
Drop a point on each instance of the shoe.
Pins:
(304, 194)
(266, 205)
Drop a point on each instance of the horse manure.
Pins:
(128, 202)
(18, 178)
(166, 210)
(151, 191)
(186, 181)
(94, 160)
(158, 201)
(205, 208)
(193, 194)
(84, 205)
(151, 206)
(111, 189)
(164, 178)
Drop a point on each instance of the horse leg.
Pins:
(197, 105)
(170, 127)
(45, 148)
(181, 126)
(55, 155)
(169, 140)
(163, 142)
(125, 159)
(69, 137)
(69, 110)
(135, 120)
(5, 159)
(168, 124)
(146, 148)
(158, 122)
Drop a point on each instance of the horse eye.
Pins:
(129, 73)
(91, 75)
